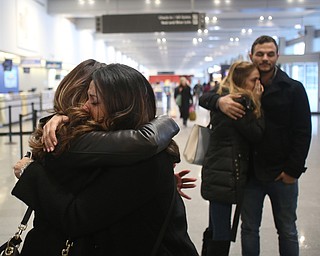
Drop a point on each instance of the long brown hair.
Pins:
(235, 82)
(71, 92)
(128, 101)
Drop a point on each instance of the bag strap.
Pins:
(166, 221)
(16, 239)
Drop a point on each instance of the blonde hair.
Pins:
(235, 82)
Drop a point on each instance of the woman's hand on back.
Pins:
(49, 138)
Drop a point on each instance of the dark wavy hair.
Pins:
(129, 103)
(127, 96)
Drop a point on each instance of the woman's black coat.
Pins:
(186, 100)
(104, 209)
(226, 164)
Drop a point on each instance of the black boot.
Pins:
(218, 248)
(207, 236)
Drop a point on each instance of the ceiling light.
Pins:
(297, 26)
(195, 41)
(148, 2)
(206, 31)
(200, 40)
(269, 17)
(261, 18)
(243, 31)
(207, 19)
(163, 40)
(81, 2)
(208, 58)
(214, 19)
(199, 31)
(157, 2)
(213, 38)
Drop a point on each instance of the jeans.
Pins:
(219, 221)
(283, 199)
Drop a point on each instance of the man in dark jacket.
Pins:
(279, 160)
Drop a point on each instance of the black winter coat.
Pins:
(186, 100)
(105, 209)
(226, 164)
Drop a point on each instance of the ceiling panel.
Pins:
(179, 53)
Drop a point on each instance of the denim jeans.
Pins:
(219, 220)
(283, 199)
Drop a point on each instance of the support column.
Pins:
(309, 34)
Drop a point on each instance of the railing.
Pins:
(23, 119)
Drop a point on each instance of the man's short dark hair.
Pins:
(264, 39)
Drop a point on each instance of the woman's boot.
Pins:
(218, 248)
(207, 235)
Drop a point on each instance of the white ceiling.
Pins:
(179, 53)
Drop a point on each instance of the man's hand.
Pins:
(184, 182)
(49, 138)
(287, 179)
(231, 108)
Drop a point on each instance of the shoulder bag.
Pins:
(10, 248)
(197, 144)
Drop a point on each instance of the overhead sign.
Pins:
(30, 63)
(54, 64)
(140, 23)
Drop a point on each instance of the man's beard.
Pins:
(268, 70)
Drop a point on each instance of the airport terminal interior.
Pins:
(42, 40)
(12, 210)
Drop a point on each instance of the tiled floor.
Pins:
(11, 210)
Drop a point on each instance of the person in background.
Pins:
(183, 91)
(197, 92)
(101, 206)
(279, 159)
(226, 164)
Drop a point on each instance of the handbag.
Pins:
(192, 113)
(10, 248)
(179, 100)
(197, 144)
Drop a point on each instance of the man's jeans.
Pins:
(283, 199)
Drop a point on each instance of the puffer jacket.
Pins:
(226, 164)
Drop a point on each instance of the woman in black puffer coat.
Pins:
(226, 164)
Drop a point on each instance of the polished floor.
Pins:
(11, 210)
